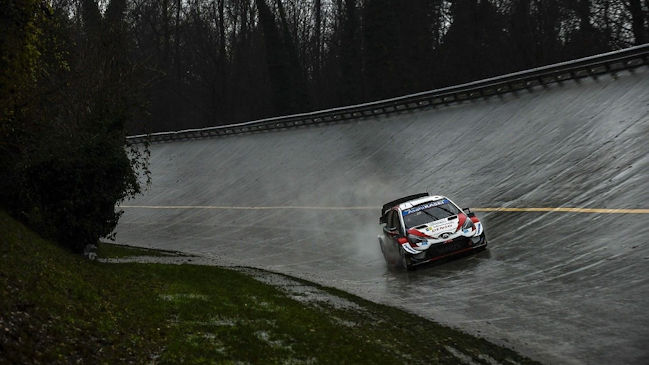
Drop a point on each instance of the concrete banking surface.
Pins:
(560, 287)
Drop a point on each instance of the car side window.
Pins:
(393, 220)
(396, 221)
(388, 222)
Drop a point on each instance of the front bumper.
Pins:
(441, 250)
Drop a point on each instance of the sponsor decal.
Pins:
(425, 206)
(441, 227)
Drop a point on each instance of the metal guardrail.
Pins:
(612, 62)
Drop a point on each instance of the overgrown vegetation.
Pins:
(56, 307)
(68, 88)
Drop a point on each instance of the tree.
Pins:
(522, 32)
(475, 45)
(397, 40)
(69, 167)
(350, 55)
(639, 20)
(584, 39)
(286, 75)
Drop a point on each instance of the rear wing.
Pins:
(393, 203)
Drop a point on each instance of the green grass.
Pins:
(56, 307)
(107, 250)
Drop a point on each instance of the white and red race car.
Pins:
(422, 228)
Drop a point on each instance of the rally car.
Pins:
(421, 228)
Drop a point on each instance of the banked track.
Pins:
(561, 287)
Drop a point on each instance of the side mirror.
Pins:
(468, 212)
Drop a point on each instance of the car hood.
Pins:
(437, 228)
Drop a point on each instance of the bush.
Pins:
(71, 194)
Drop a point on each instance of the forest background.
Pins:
(78, 76)
(214, 62)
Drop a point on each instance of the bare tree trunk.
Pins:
(521, 33)
(222, 26)
(318, 26)
(548, 20)
(583, 12)
(165, 31)
(177, 42)
(437, 23)
(638, 21)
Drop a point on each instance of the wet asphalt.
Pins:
(567, 288)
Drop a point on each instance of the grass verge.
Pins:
(108, 250)
(56, 307)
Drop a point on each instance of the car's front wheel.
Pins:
(483, 242)
(381, 245)
(406, 262)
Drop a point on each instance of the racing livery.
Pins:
(421, 228)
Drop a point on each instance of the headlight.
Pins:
(468, 224)
(415, 239)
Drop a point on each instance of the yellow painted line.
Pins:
(223, 207)
(565, 210)
(295, 207)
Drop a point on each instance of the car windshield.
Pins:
(429, 212)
